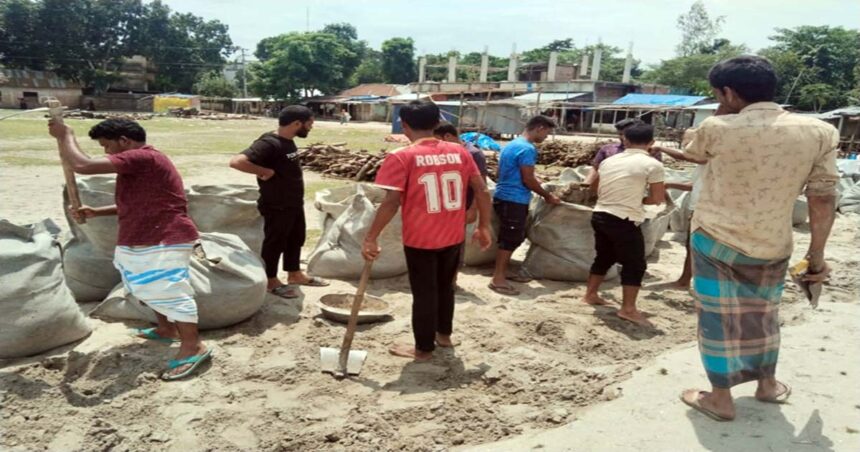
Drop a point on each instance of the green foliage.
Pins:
(293, 65)
(212, 84)
(370, 69)
(698, 30)
(811, 56)
(690, 73)
(87, 40)
(398, 60)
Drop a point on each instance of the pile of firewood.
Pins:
(337, 161)
(568, 154)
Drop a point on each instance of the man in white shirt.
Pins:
(625, 183)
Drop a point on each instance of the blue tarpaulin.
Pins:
(481, 140)
(659, 99)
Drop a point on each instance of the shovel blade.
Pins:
(330, 361)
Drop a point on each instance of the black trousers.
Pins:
(283, 234)
(617, 240)
(431, 277)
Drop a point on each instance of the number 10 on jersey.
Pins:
(445, 190)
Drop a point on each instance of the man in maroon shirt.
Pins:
(156, 235)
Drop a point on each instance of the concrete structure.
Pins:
(595, 66)
(24, 88)
(422, 69)
(452, 68)
(485, 66)
(628, 65)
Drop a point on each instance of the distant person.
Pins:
(156, 236)
(625, 184)
(273, 158)
(760, 158)
(344, 116)
(611, 149)
(427, 180)
(446, 131)
(514, 187)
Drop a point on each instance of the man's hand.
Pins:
(552, 199)
(370, 250)
(83, 212)
(819, 276)
(472, 214)
(654, 151)
(266, 174)
(58, 129)
(483, 237)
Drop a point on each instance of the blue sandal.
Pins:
(150, 334)
(195, 362)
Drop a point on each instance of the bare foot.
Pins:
(444, 341)
(274, 283)
(703, 401)
(634, 316)
(167, 333)
(594, 300)
(772, 392)
(407, 351)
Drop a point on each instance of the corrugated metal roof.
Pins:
(25, 78)
(376, 89)
(659, 99)
(548, 97)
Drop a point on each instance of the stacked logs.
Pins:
(336, 161)
(568, 154)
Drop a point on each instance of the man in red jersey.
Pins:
(156, 236)
(429, 180)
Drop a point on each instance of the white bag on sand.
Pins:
(37, 311)
(229, 286)
(338, 253)
(88, 256)
(653, 228)
(800, 212)
(474, 257)
(849, 201)
(228, 209)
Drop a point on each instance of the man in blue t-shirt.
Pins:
(514, 187)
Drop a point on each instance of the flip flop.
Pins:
(504, 290)
(314, 282)
(519, 278)
(779, 398)
(195, 362)
(150, 334)
(696, 405)
(283, 291)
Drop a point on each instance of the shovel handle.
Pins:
(55, 109)
(353, 317)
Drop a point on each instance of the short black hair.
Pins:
(420, 115)
(752, 77)
(445, 128)
(114, 129)
(292, 113)
(640, 133)
(625, 123)
(541, 121)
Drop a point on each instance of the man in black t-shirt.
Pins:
(273, 158)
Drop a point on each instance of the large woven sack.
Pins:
(473, 255)
(228, 209)
(656, 224)
(37, 311)
(229, 285)
(338, 252)
(800, 211)
(849, 201)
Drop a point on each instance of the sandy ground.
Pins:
(523, 365)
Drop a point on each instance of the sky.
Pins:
(468, 26)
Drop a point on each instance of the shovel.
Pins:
(344, 362)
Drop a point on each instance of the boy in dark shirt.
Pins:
(273, 158)
(156, 236)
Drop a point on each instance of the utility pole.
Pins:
(244, 75)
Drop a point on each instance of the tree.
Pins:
(815, 55)
(398, 60)
(689, 74)
(348, 36)
(698, 30)
(293, 65)
(212, 84)
(816, 95)
(370, 69)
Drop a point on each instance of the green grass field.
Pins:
(24, 140)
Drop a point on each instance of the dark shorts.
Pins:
(618, 241)
(512, 223)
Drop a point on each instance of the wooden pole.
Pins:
(56, 112)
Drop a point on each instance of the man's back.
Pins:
(509, 186)
(623, 182)
(759, 161)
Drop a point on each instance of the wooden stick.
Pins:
(56, 111)
(353, 317)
